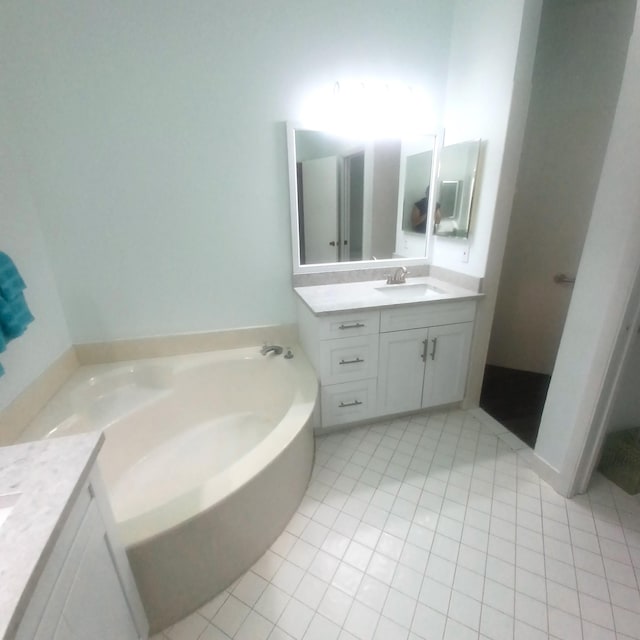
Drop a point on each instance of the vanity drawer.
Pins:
(349, 359)
(348, 402)
(343, 325)
(430, 314)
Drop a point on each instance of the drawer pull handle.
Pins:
(354, 361)
(435, 344)
(355, 325)
(425, 346)
(355, 403)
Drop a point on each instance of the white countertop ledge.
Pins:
(48, 475)
(377, 294)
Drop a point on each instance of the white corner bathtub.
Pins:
(206, 457)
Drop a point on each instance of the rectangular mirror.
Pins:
(352, 199)
(456, 183)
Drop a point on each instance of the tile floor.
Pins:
(434, 527)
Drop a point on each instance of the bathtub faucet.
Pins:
(271, 348)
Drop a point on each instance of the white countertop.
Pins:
(377, 294)
(47, 475)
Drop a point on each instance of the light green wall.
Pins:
(154, 141)
(47, 337)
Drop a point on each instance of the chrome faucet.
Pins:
(399, 276)
(271, 348)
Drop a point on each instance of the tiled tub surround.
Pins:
(47, 476)
(209, 452)
(434, 527)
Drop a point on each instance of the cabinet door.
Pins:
(94, 605)
(447, 362)
(401, 370)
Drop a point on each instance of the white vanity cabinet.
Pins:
(86, 589)
(424, 355)
(398, 359)
(343, 348)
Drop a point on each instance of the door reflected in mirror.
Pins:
(353, 198)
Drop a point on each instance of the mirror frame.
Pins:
(329, 267)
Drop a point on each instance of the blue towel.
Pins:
(11, 283)
(3, 346)
(14, 317)
(14, 312)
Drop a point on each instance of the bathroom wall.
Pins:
(489, 83)
(47, 337)
(479, 103)
(579, 63)
(154, 138)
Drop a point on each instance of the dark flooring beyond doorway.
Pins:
(515, 399)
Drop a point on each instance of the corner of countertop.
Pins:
(49, 474)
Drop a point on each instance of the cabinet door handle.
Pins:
(355, 403)
(425, 346)
(355, 325)
(433, 352)
(354, 361)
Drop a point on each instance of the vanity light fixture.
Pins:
(369, 109)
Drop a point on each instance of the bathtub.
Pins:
(205, 459)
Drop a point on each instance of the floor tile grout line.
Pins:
(396, 568)
(459, 463)
(545, 576)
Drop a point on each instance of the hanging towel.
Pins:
(11, 283)
(14, 312)
(3, 346)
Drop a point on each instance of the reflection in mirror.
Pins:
(353, 198)
(417, 164)
(456, 182)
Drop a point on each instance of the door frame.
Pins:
(592, 445)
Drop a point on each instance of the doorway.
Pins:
(352, 220)
(573, 101)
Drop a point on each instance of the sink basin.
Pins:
(7, 502)
(410, 291)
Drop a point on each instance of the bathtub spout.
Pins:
(271, 348)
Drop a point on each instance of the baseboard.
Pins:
(15, 417)
(541, 467)
(551, 475)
